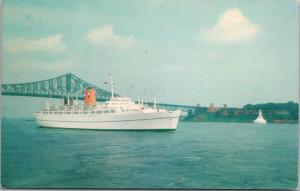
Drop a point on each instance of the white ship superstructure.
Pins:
(119, 113)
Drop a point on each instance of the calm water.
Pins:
(197, 155)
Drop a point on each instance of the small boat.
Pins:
(260, 119)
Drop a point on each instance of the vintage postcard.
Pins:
(150, 94)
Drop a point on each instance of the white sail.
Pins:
(260, 119)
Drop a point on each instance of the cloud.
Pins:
(47, 44)
(37, 66)
(232, 27)
(104, 36)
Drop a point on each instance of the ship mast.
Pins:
(112, 86)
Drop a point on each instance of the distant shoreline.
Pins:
(272, 112)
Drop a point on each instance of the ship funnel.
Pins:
(90, 96)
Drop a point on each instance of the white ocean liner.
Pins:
(119, 113)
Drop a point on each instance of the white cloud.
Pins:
(48, 44)
(104, 36)
(232, 27)
(29, 66)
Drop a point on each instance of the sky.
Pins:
(182, 51)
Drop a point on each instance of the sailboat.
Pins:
(260, 119)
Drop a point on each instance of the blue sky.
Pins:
(182, 51)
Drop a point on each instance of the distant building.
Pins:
(225, 106)
(212, 108)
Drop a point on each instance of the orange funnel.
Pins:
(90, 96)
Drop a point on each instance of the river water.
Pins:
(196, 155)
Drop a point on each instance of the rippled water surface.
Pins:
(197, 155)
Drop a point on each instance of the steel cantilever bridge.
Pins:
(65, 84)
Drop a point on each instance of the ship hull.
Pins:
(134, 121)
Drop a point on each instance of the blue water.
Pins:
(197, 155)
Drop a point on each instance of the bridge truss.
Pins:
(63, 85)
(58, 87)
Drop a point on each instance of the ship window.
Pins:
(112, 111)
(93, 112)
(60, 112)
(106, 111)
(55, 112)
(67, 112)
(75, 112)
(99, 111)
(84, 112)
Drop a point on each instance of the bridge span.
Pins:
(60, 86)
